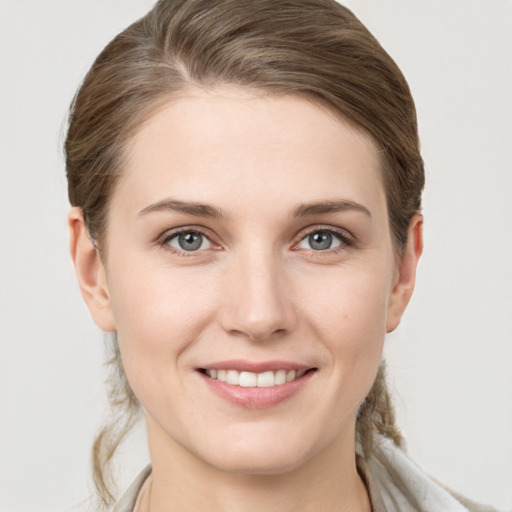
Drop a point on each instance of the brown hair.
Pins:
(313, 48)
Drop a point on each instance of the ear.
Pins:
(406, 273)
(90, 272)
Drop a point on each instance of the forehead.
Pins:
(208, 145)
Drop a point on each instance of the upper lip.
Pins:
(254, 366)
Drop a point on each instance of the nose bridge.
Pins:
(258, 299)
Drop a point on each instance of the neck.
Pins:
(181, 481)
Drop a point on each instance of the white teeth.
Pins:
(248, 379)
(280, 377)
(251, 380)
(233, 377)
(266, 380)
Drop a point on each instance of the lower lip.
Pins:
(257, 398)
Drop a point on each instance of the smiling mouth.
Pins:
(265, 379)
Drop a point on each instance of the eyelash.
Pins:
(347, 240)
(163, 240)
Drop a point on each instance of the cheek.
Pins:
(350, 308)
(158, 313)
(158, 316)
(349, 316)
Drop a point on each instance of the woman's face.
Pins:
(248, 241)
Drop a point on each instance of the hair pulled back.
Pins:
(316, 49)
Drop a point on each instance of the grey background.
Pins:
(451, 359)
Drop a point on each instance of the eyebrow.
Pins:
(189, 208)
(324, 207)
(206, 210)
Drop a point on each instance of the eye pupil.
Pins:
(320, 240)
(190, 241)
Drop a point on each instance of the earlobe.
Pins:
(404, 285)
(90, 272)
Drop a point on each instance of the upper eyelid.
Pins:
(171, 233)
(342, 232)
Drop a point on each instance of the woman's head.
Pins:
(244, 106)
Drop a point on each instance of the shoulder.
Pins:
(404, 486)
(129, 499)
(470, 505)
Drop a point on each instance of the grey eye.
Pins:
(320, 241)
(189, 241)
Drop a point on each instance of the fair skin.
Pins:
(288, 264)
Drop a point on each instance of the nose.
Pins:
(258, 302)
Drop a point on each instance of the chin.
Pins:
(255, 463)
(269, 454)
